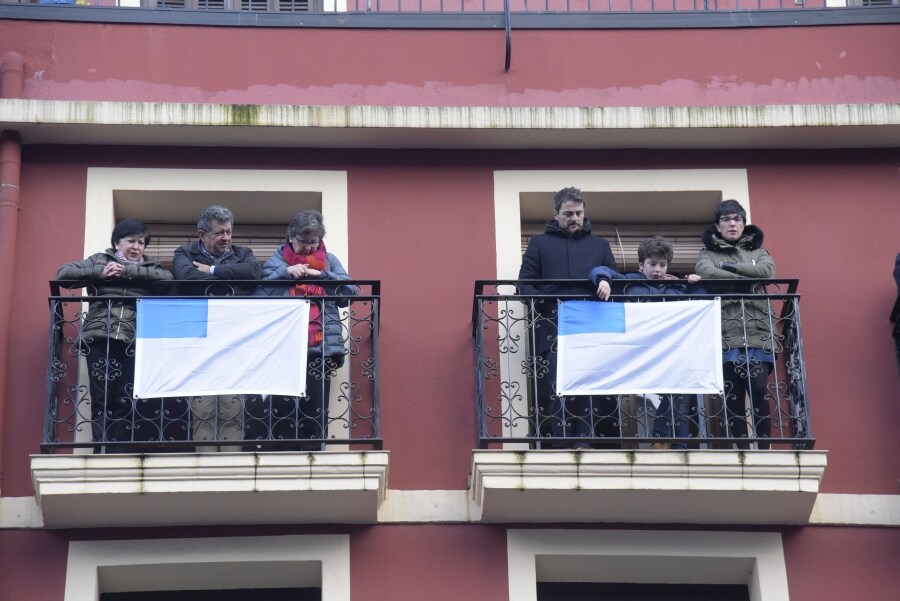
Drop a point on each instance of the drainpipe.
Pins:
(12, 77)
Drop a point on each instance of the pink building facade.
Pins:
(429, 160)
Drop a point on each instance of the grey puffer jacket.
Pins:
(751, 261)
(334, 335)
(116, 318)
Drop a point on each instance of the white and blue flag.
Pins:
(197, 347)
(639, 348)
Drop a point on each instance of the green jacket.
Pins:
(115, 318)
(747, 325)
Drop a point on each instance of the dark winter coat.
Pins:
(751, 261)
(114, 319)
(555, 255)
(639, 284)
(237, 264)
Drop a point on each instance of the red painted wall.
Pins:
(842, 563)
(422, 222)
(32, 565)
(677, 67)
(446, 562)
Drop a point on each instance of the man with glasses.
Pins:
(733, 250)
(212, 258)
(565, 251)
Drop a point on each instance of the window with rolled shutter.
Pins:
(238, 5)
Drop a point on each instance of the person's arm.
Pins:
(531, 267)
(601, 277)
(183, 266)
(708, 267)
(760, 267)
(85, 269)
(334, 270)
(276, 268)
(604, 273)
(897, 273)
(609, 260)
(247, 267)
(146, 271)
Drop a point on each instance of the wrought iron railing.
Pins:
(515, 362)
(469, 6)
(90, 401)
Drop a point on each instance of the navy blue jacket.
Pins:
(642, 285)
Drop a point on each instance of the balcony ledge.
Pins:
(874, 125)
(82, 491)
(685, 487)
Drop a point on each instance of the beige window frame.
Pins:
(755, 559)
(114, 193)
(114, 566)
(669, 197)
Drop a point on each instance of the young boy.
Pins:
(654, 256)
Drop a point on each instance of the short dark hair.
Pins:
(573, 194)
(730, 207)
(129, 227)
(214, 212)
(306, 222)
(657, 246)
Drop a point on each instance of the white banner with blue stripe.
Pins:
(639, 348)
(197, 347)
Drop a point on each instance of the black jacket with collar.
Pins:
(238, 264)
(555, 255)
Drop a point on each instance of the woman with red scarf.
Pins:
(315, 273)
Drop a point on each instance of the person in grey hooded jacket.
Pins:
(314, 272)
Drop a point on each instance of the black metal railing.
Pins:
(465, 6)
(90, 400)
(515, 362)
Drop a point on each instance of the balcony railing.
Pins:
(90, 401)
(514, 373)
(470, 6)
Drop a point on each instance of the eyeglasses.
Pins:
(730, 219)
(307, 243)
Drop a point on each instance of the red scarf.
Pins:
(317, 259)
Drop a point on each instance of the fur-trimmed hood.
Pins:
(751, 239)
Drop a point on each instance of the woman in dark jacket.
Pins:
(109, 326)
(734, 251)
(315, 272)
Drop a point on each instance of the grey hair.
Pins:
(306, 222)
(214, 212)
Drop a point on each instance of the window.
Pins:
(624, 206)
(300, 562)
(738, 560)
(239, 5)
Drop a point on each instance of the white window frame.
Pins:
(510, 185)
(96, 567)
(645, 556)
(100, 218)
